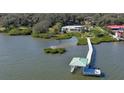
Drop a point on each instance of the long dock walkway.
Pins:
(90, 51)
(85, 62)
(82, 62)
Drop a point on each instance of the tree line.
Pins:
(41, 22)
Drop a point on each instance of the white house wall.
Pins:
(75, 28)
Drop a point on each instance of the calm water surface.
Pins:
(22, 57)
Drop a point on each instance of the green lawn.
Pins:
(97, 35)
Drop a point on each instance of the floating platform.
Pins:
(91, 71)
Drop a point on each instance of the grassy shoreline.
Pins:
(97, 34)
(20, 31)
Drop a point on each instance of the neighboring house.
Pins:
(117, 29)
(72, 28)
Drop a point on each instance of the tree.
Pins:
(42, 26)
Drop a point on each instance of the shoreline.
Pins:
(51, 39)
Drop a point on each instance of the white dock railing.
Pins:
(90, 51)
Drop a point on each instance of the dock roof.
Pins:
(77, 61)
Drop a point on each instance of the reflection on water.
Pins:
(66, 43)
(93, 60)
(22, 57)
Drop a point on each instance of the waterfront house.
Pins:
(118, 30)
(72, 28)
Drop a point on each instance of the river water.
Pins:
(23, 58)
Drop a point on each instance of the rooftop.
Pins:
(115, 26)
(69, 26)
(80, 62)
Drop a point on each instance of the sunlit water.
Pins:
(22, 57)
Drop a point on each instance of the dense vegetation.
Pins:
(20, 31)
(97, 35)
(51, 22)
(48, 25)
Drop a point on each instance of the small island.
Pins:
(54, 50)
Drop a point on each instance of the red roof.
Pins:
(115, 26)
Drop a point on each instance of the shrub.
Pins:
(42, 27)
(14, 31)
(2, 29)
(18, 31)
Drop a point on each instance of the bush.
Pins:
(42, 27)
(13, 31)
(55, 29)
(55, 50)
(18, 31)
(2, 29)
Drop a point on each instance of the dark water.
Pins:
(22, 57)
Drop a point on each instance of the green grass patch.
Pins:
(98, 40)
(63, 36)
(76, 34)
(42, 35)
(95, 40)
(82, 41)
(58, 36)
(52, 36)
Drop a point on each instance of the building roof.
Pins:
(115, 26)
(77, 61)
